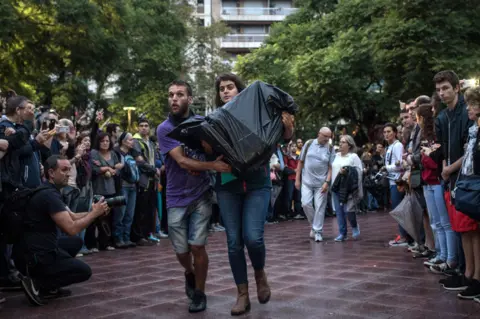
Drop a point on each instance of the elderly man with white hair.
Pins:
(314, 176)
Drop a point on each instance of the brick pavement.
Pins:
(354, 279)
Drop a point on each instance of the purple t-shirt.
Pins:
(182, 188)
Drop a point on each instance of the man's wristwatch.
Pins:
(328, 183)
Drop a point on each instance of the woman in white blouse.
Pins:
(347, 157)
(393, 166)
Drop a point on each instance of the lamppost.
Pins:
(129, 110)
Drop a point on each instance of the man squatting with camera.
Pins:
(50, 262)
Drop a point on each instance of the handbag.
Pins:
(467, 196)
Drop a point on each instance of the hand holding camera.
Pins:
(100, 207)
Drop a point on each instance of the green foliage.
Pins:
(54, 48)
(354, 59)
(205, 59)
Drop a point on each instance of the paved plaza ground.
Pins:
(354, 279)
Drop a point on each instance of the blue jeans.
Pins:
(243, 215)
(440, 222)
(188, 225)
(122, 220)
(342, 215)
(372, 202)
(396, 197)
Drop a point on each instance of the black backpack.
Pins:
(12, 214)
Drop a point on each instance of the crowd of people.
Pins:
(104, 188)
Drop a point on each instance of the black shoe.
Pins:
(130, 244)
(32, 292)
(144, 242)
(473, 290)
(428, 254)
(190, 285)
(56, 293)
(456, 283)
(10, 283)
(120, 244)
(199, 302)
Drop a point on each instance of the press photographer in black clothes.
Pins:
(50, 259)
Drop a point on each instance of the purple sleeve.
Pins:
(166, 144)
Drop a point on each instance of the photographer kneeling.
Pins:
(50, 259)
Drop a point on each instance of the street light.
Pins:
(129, 110)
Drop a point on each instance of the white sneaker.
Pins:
(318, 237)
(312, 234)
(163, 235)
(432, 261)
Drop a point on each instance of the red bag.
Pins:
(460, 222)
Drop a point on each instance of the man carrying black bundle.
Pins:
(188, 195)
(47, 259)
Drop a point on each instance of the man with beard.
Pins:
(188, 195)
(50, 258)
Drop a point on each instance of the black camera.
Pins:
(111, 202)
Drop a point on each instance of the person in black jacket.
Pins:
(452, 124)
(19, 167)
(451, 129)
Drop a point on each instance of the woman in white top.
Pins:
(393, 166)
(347, 158)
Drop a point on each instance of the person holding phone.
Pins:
(393, 167)
(432, 157)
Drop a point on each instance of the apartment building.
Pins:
(249, 20)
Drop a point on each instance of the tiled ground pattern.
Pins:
(355, 279)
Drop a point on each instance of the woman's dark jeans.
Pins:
(243, 216)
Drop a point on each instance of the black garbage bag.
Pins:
(245, 130)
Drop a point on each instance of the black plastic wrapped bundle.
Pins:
(245, 130)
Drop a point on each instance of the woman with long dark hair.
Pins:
(243, 207)
(105, 166)
(393, 166)
(432, 158)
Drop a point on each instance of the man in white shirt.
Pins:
(314, 175)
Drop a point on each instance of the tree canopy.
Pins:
(67, 53)
(354, 59)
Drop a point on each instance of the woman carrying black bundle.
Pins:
(243, 207)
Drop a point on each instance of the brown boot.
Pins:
(243, 301)
(263, 289)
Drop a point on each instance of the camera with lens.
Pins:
(111, 202)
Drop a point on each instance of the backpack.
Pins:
(130, 171)
(307, 146)
(12, 214)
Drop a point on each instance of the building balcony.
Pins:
(256, 14)
(243, 41)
